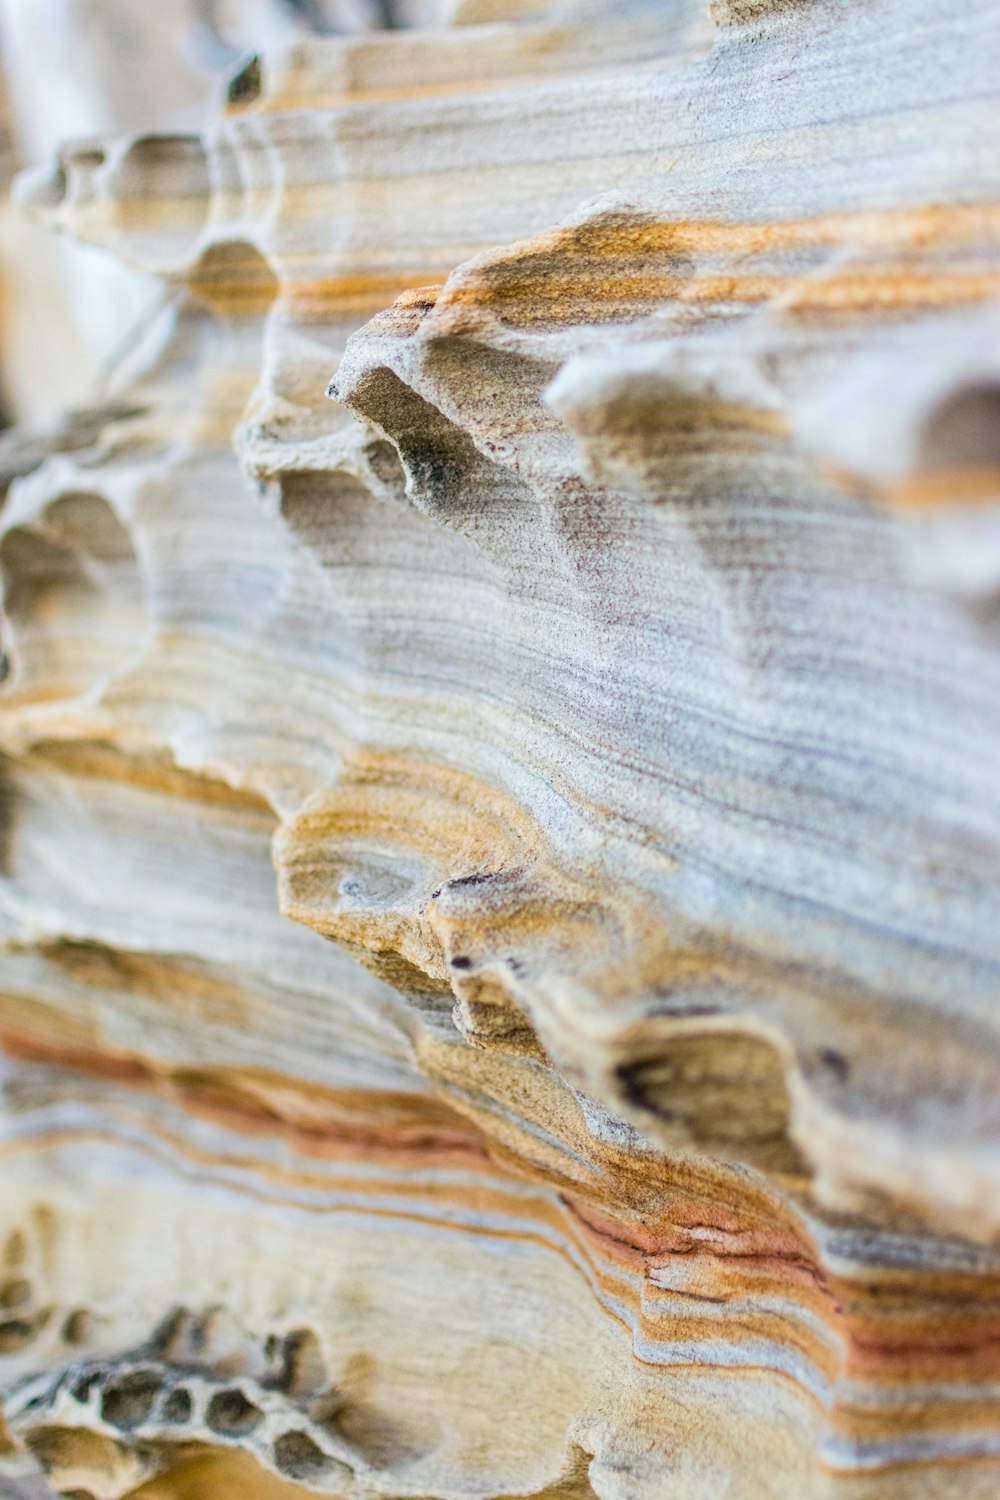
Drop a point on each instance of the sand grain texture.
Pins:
(500, 900)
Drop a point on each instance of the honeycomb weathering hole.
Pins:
(161, 190)
(178, 1406)
(231, 1414)
(964, 430)
(128, 1402)
(234, 279)
(303, 1370)
(296, 1455)
(246, 85)
(72, 596)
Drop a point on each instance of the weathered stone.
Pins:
(500, 909)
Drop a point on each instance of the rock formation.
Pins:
(501, 886)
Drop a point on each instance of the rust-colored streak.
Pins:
(667, 1272)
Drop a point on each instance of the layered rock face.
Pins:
(501, 728)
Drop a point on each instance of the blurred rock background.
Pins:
(73, 69)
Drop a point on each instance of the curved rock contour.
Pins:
(500, 921)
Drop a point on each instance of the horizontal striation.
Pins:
(498, 892)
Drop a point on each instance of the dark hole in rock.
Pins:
(15, 1293)
(177, 1407)
(302, 1367)
(169, 1329)
(76, 1328)
(232, 1415)
(84, 1384)
(835, 1062)
(246, 84)
(964, 430)
(128, 1402)
(296, 1455)
(16, 1334)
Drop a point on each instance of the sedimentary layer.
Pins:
(500, 889)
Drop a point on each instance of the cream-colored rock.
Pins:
(75, 69)
(501, 900)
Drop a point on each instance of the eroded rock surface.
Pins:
(501, 885)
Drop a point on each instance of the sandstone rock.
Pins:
(500, 923)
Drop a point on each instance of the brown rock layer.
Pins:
(500, 884)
